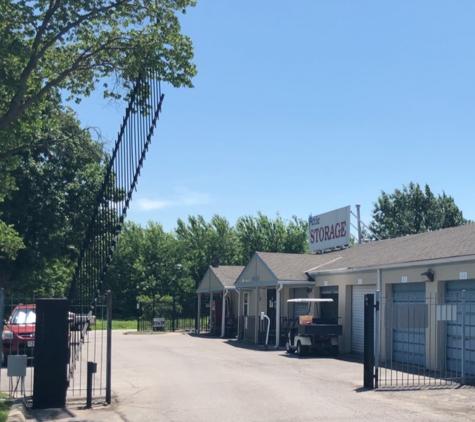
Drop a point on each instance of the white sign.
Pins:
(360, 281)
(463, 275)
(159, 323)
(403, 279)
(329, 230)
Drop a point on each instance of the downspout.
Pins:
(238, 312)
(223, 313)
(210, 311)
(198, 325)
(277, 317)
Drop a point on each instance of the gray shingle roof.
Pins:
(227, 274)
(287, 266)
(445, 243)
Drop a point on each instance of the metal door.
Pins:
(329, 310)
(462, 294)
(409, 333)
(357, 316)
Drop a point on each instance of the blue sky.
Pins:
(306, 106)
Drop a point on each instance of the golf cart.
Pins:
(309, 334)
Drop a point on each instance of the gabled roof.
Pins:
(227, 274)
(292, 267)
(454, 242)
(216, 279)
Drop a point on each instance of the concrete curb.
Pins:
(18, 412)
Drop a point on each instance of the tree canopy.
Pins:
(411, 210)
(51, 205)
(48, 47)
(74, 45)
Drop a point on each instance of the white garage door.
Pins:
(455, 340)
(409, 342)
(357, 316)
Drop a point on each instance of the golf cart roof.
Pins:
(310, 300)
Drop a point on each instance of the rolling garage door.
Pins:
(357, 316)
(454, 328)
(409, 322)
(300, 308)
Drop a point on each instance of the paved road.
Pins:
(180, 377)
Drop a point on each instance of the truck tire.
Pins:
(301, 350)
(288, 349)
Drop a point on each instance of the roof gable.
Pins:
(218, 278)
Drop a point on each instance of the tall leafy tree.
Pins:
(148, 268)
(71, 45)
(264, 234)
(412, 210)
(201, 241)
(76, 47)
(56, 188)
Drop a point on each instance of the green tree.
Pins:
(200, 242)
(76, 47)
(72, 45)
(148, 268)
(412, 210)
(266, 235)
(56, 189)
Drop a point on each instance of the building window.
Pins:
(246, 304)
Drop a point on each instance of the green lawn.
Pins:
(116, 325)
(5, 404)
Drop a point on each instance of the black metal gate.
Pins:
(425, 341)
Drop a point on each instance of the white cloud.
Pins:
(182, 198)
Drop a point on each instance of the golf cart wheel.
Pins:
(288, 349)
(301, 350)
(335, 351)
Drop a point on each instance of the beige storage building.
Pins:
(425, 282)
(218, 286)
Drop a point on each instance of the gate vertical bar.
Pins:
(109, 348)
(2, 308)
(462, 366)
(377, 339)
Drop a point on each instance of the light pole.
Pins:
(179, 268)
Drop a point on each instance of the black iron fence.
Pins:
(107, 217)
(171, 314)
(18, 346)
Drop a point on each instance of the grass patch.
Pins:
(116, 325)
(5, 405)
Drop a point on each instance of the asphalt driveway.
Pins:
(182, 377)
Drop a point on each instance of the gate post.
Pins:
(462, 368)
(377, 340)
(51, 354)
(368, 357)
(109, 349)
